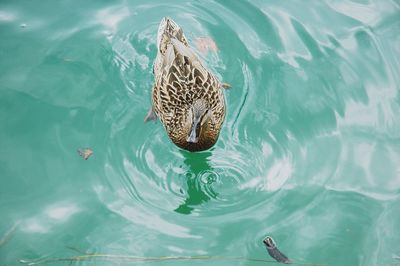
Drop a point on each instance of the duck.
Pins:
(186, 97)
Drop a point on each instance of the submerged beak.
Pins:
(199, 114)
(193, 137)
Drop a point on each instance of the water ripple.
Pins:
(303, 96)
(231, 172)
(308, 152)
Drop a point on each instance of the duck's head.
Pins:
(200, 131)
(199, 115)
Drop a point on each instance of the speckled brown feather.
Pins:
(181, 79)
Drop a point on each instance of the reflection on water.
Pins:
(308, 153)
(199, 176)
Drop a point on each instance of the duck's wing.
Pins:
(180, 77)
(168, 30)
(173, 49)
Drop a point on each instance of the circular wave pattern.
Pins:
(308, 153)
(254, 120)
(298, 93)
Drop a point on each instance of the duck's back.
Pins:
(180, 80)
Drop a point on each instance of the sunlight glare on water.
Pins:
(309, 152)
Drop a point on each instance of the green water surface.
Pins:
(309, 152)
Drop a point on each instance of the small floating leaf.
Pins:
(85, 153)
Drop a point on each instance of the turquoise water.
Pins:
(309, 152)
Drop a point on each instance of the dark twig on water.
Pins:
(274, 252)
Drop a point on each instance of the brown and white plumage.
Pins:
(187, 98)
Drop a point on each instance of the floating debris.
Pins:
(23, 25)
(8, 235)
(85, 153)
(205, 44)
(111, 257)
(125, 258)
(274, 252)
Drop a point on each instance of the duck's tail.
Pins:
(169, 29)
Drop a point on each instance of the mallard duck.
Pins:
(187, 98)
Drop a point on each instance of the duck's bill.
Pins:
(193, 137)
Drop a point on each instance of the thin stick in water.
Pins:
(8, 235)
(144, 258)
